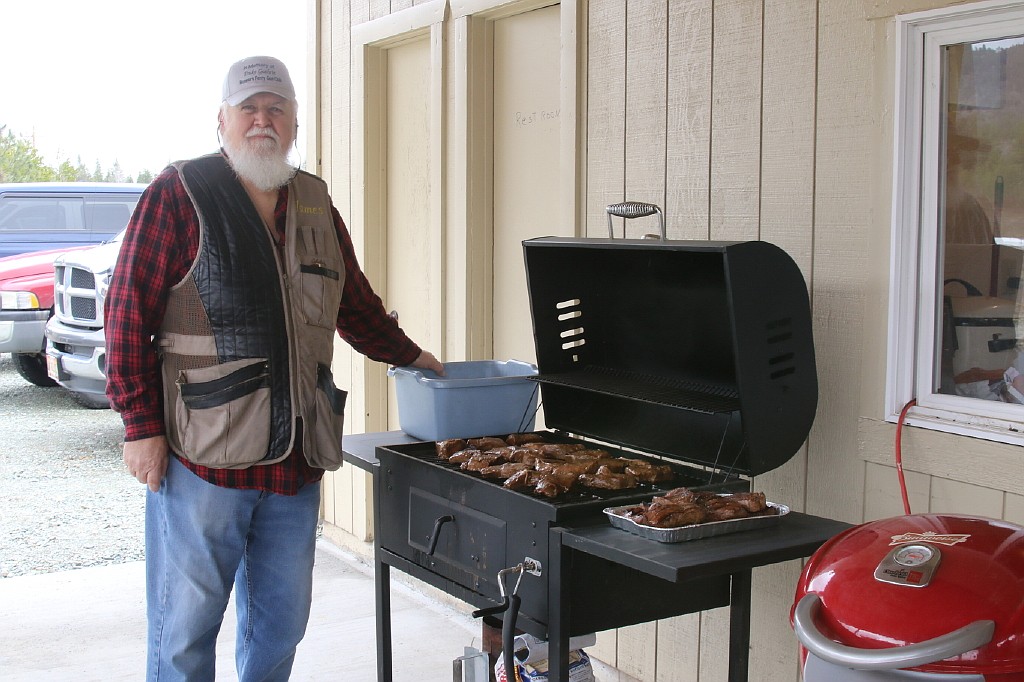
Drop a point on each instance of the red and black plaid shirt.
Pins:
(159, 247)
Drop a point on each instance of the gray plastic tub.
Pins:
(474, 398)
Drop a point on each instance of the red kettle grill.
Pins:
(914, 598)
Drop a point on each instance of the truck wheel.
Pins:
(32, 368)
(91, 401)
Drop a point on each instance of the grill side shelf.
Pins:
(686, 395)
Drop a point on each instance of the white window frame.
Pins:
(913, 307)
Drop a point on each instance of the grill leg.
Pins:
(739, 627)
(558, 608)
(382, 581)
(382, 596)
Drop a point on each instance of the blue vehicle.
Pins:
(37, 216)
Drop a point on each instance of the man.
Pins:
(234, 273)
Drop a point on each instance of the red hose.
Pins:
(899, 455)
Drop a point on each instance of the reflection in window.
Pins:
(982, 221)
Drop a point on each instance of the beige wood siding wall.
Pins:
(746, 119)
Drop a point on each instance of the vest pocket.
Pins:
(330, 421)
(223, 413)
(321, 274)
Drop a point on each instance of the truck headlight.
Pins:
(18, 300)
(103, 283)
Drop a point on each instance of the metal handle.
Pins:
(528, 565)
(960, 641)
(633, 209)
(432, 545)
(492, 610)
(508, 637)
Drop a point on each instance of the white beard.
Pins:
(261, 162)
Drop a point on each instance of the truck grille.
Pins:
(82, 279)
(75, 294)
(83, 308)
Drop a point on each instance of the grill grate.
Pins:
(658, 390)
(684, 476)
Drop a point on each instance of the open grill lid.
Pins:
(698, 351)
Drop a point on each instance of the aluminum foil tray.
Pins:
(696, 531)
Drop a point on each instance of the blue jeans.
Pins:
(201, 539)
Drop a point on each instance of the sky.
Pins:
(135, 81)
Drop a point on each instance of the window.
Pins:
(109, 213)
(957, 272)
(41, 213)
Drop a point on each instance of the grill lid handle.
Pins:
(436, 533)
(634, 209)
(951, 644)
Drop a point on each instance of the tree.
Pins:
(115, 174)
(66, 172)
(20, 160)
(81, 172)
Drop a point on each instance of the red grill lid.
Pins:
(911, 579)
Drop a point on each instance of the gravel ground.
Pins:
(66, 500)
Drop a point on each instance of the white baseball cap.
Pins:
(253, 75)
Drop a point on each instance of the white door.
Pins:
(411, 285)
(526, 165)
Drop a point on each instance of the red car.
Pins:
(26, 303)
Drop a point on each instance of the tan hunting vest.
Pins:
(248, 335)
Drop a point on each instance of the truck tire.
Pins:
(91, 401)
(32, 368)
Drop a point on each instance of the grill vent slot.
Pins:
(572, 337)
(782, 361)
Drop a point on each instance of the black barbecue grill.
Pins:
(698, 354)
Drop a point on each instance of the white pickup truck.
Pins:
(75, 345)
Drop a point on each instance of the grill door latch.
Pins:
(436, 533)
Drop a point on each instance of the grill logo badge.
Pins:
(930, 537)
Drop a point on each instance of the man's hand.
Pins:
(146, 460)
(426, 360)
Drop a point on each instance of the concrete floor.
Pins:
(90, 624)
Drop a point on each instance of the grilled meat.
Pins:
(557, 465)
(723, 509)
(504, 470)
(650, 473)
(583, 455)
(523, 438)
(480, 461)
(752, 502)
(486, 443)
(608, 480)
(548, 485)
(554, 449)
(504, 452)
(447, 448)
(462, 456)
(667, 514)
(687, 495)
(684, 507)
